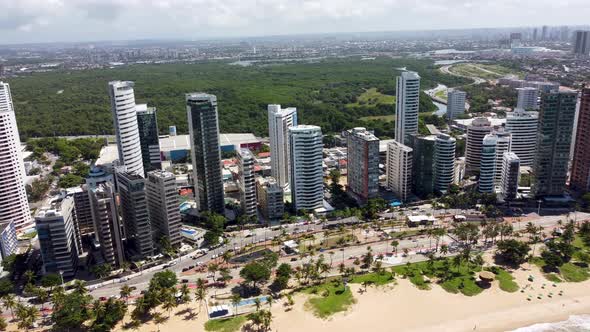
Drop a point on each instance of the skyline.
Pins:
(35, 21)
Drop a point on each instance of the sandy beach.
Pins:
(403, 307)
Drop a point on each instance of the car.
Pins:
(184, 281)
(293, 259)
(103, 298)
(214, 256)
(191, 267)
(185, 269)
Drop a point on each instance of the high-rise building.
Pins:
(407, 104)
(307, 174)
(247, 182)
(163, 208)
(399, 169)
(556, 121)
(423, 165)
(528, 98)
(106, 223)
(83, 211)
(455, 103)
(487, 168)
(134, 212)
(535, 34)
(14, 205)
(8, 240)
(270, 198)
(580, 177)
(503, 144)
(57, 238)
(444, 162)
(147, 124)
(363, 164)
(582, 43)
(279, 122)
(510, 175)
(478, 129)
(206, 155)
(523, 126)
(125, 123)
(544, 33)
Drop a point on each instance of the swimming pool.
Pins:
(188, 231)
(263, 299)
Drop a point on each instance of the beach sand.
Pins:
(403, 307)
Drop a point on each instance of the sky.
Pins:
(26, 21)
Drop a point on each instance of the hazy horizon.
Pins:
(39, 21)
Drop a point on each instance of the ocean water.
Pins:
(573, 324)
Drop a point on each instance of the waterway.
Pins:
(441, 108)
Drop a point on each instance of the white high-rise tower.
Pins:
(406, 106)
(307, 174)
(279, 122)
(14, 205)
(125, 122)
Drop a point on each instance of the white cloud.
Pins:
(23, 20)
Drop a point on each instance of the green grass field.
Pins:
(372, 97)
(484, 71)
(505, 279)
(329, 298)
(377, 279)
(390, 117)
(225, 324)
(573, 273)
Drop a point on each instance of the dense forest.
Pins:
(76, 102)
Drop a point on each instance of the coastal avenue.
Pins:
(414, 245)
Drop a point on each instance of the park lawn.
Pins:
(505, 279)
(538, 261)
(472, 70)
(390, 117)
(372, 97)
(442, 94)
(225, 324)
(329, 298)
(464, 284)
(573, 273)
(377, 279)
(553, 277)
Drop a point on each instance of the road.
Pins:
(476, 80)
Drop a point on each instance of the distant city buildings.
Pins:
(270, 198)
(247, 182)
(580, 173)
(14, 205)
(582, 43)
(523, 126)
(205, 152)
(123, 109)
(528, 98)
(279, 122)
(399, 170)
(163, 206)
(363, 164)
(56, 230)
(407, 106)
(510, 175)
(307, 175)
(556, 121)
(147, 124)
(455, 103)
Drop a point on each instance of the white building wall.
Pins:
(406, 106)
(279, 122)
(399, 170)
(455, 103)
(307, 179)
(444, 162)
(523, 126)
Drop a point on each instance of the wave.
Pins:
(577, 323)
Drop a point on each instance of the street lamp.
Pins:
(61, 275)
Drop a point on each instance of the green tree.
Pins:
(512, 252)
(9, 303)
(70, 311)
(255, 273)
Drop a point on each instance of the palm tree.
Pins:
(235, 300)
(158, 320)
(444, 249)
(185, 295)
(26, 316)
(42, 296)
(257, 303)
(270, 300)
(80, 287)
(394, 244)
(125, 291)
(201, 295)
(169, 302)
(331, 257)
(266, 316)
(9, 302)
(29, 276)
(213, 268)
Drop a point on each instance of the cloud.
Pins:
(128, 19)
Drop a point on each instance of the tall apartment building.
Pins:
(556, 121)
(83, 211)
(455, 103)
(125, 123)
(205, 152)
(510, 175)
(247, 182)
(14, 205)
(163, 207)
(580, 173)
(8, 240)
(399, 169)
(406, 106)
(487, 169)
(363, 164)
(523, 126)
(582, 43)
(106, 223)
(528, 98)
(57, 239)
(279, 122)
(478, 129)
(444, 162)
(134, 212)
(503, 144)
(307, 174)
(147, 124)
(270, 198)
(423, 165)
